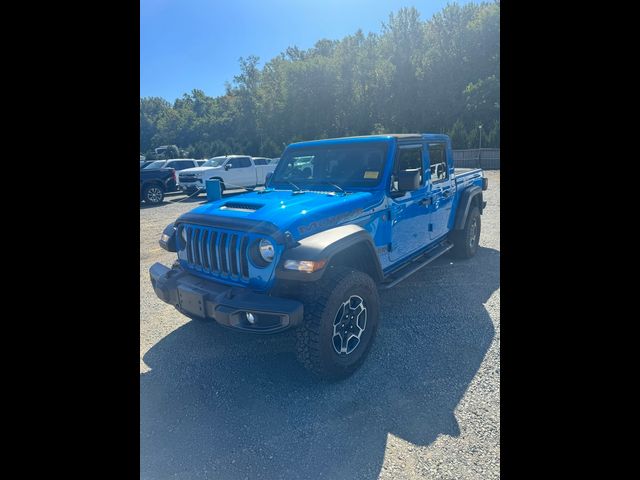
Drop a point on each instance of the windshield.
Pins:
(214, 162)
(347, 165)
(156, 164)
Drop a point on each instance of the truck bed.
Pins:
(465, 174)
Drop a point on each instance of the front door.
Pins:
(240, 173)
(410, 211)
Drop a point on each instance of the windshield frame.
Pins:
(219, 159)
(321, 185)
(160, 164)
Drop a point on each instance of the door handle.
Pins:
(426, 201)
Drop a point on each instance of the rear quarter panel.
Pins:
(463, 182)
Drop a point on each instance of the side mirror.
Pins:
(409, 180)
(268, 177)
(227, 166)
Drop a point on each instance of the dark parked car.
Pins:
(154, 183)
(177, 164)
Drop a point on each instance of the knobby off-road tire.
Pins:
(346, 301)
(465, 241)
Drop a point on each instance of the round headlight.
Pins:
(267, 252)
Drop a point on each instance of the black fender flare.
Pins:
(153, 181)
(324, 246)
(169, 242)
(464, 205)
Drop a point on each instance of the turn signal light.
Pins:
(304, 265)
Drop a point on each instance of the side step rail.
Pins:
(415, 265)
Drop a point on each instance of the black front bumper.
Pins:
(227, 305)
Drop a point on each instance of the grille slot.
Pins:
(189, 245)
(244, 252)
(213, 255)
(222, 251)
(196, 246)
(204, 251)
(233, 254)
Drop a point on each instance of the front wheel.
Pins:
(465, 241)
(340, 323)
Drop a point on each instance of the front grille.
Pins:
(188, 178)
(217, 252)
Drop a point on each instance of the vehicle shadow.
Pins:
(220, 404)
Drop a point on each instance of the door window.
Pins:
(438, 162)
(239, 162)
(407, 158)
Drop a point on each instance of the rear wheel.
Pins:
(340, 323)
(465, 241)
(153, 194)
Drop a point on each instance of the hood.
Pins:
(301, 214)
(199, 169)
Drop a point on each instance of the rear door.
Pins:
(261, 169)
(410, 212)
(442, 188)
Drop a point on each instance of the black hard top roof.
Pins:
(396, 135)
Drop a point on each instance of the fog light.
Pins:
(304, 265)
(165, 238)
(250, 318)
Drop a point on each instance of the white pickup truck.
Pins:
(233, 171)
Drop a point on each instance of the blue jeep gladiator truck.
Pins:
(338, 220)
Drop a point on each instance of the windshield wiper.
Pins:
(333, 185)
(297, 188)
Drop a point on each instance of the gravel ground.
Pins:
(223, 405)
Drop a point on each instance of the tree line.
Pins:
(440, 75)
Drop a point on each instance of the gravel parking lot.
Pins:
(224, 405)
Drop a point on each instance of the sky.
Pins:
(187, 44)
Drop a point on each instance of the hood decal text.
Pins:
(329, 221)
